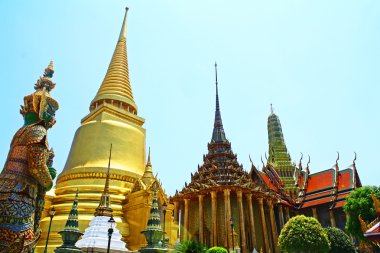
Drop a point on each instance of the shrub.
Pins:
(360, 202)
(339, 241)
(189, 246)
(217, 250)
(303, 234)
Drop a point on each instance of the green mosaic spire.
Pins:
(279, 157)
(72, 221)
(70, 234)
(153, 233)
(154, 220)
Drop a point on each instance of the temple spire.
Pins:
(71, 234)
(279, 157)
(104, 208)
(218, 134)
(72, 220)
(147, 177)
(116, 86)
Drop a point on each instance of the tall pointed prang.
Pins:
(116, 86)
(104, 208)
(218, 134)
(279, 157)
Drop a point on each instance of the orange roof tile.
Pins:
(321, 180)
(316, 202)
(267, 181)
(345, 179)
(318, 195)
(340, 204)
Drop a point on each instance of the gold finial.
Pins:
(300, 162)
(337, 159)
(376, 204)
(363, 225)
(148, 162)
(123, 31)
(49, 70)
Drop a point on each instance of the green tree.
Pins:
(340, 242)
(303, 234)
(360, 202)
(217, 250)
(189, 246)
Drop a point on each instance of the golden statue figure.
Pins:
(28, 172)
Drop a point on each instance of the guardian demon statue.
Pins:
(28, 171)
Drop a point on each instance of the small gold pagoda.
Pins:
(113, 118)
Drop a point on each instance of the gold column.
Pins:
(241, 221)
(201, 226)
(227, 210)
(186, 220)
(281, 215)
(315, 213)
(251, 220)
(332, 218)
(273, 225)
(214, 241)
(287, 214)
(264, 224)
(176, 210)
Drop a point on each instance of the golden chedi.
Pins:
(112, 119)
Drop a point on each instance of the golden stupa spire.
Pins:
(116, 87)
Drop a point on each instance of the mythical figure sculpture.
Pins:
(28, 172)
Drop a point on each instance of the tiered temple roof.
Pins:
(220, 165)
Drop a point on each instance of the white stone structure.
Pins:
(95, 238)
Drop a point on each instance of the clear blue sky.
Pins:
(316, 61)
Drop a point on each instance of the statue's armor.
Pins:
(23, 182)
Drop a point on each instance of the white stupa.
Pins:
(95, 238)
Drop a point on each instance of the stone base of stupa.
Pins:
(103, 250)
(153, 249)
(67, 250)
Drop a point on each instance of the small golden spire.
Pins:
(148, 162)
(148, 174)
(116, 85)
(376, 203)
(363, 225)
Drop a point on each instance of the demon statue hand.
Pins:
(28, 173)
